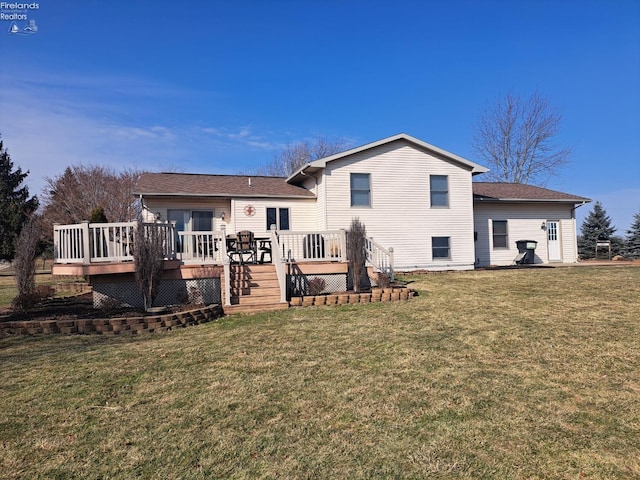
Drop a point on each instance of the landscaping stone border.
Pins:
(376, 295)
(113, 326)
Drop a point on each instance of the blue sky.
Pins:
(221, 87)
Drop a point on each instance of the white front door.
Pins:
(553, 241)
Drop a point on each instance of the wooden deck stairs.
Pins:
(254, 288)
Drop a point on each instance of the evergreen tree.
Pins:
(595, 228)
(632, 247)
(15, 204)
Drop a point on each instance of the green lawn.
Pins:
(489, 374)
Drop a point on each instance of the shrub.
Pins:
(25, 261)
(316, 286)
(356, 252)
(25, 301)
(148, 254)
(98, 216)
(383, 280)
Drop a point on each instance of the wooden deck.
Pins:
(104, 254)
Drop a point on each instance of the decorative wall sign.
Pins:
(249, 210)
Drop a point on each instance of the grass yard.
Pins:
(8, 288)
(487, 374)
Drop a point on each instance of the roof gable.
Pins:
(315, 166)
(205, 185)
(519, 192)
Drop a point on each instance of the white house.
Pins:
(419, 204)
(412, 196)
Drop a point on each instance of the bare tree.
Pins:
(148, 254)
(72, 196)
(294, 156)
(515, 138)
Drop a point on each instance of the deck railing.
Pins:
(87, 243)
(380, 258)
(202, 247)
(279, 262)
(310, 246)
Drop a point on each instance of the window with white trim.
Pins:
(439, 190)
(278, 217)
(440, 248)
(500, 234)
(360, 190)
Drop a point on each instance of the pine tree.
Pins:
(632, 247)
(595, 228)
(15, 204)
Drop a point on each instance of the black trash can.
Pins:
(528, 248)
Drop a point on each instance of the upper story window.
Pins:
(439, 187)
(278, 217)
(360, 190)
(500, 236)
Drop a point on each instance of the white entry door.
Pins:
(553, 241)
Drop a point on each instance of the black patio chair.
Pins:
(244, 248)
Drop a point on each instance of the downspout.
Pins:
(575, 207)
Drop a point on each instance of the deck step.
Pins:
(253, 300)
(231, 309)
(256, 292)
(254, 288)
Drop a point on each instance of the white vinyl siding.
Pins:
(524, 222)
(157, 209)
(400, 215)
(302, 214)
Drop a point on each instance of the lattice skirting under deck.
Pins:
(202, 291)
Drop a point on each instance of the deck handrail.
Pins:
(202, 247)
(87, 243)
(313, 246)
(280, 263)
(378, 257)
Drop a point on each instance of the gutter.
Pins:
(532, 200)
(575, 207)
(225, 195)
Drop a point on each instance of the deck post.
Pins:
(226, 267)
(279, 262)
(56, 241)
(86, 243)
(343, 245)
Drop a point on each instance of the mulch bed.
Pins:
(68, 308)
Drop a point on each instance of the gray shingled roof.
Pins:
(196, 184)
(495, 191)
